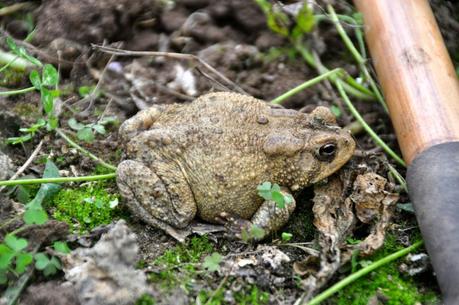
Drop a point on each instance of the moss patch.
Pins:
(177, 266)
(385, 281)
(85, 207)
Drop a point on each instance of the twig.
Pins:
(84, 151)
(181, 56)
(26, 164)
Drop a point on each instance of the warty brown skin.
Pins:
(208, 157)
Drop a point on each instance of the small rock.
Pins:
(105, 274)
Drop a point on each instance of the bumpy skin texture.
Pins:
(208, 157)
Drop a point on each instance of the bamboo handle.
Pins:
(415, 71)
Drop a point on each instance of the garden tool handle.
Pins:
(422, 93)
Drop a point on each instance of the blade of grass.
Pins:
(58, 180)
(357, 56)
(305, 85)
(358, 117)
(19, 91)
(84, 151)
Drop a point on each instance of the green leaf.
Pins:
(407, 207)
(305, 19)
(47, 99)
(286, 236)
(99, 128)
(6, 256)
(265, 186)
(16, 244)
(34, 77)
(50, 77)
(74, 124)
(212, 262)
(41, 261)
(18, 140)
(36, 216)
(335, 110)
(52, 123)
(21, 52)
(61, 246)
(34, 213)
(22, 261)
(12, 45)
(86, 134)
(84, 91)
(256, 232)
(264, 190)
(278, 198)
(288, 199)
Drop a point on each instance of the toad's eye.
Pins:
(327, 152)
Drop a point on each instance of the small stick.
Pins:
(26, 164)
(122, 52)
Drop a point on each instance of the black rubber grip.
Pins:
(433, 184)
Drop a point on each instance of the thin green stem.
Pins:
(305, 85)
(358, 117)
(19, 64)
(8, 64)
(362, 272)
(19, 91)
(58, 180)
(398, 177)
(84, 151)
(357, 56)
(351, 85)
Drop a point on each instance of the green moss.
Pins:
(248, 295)
(145, 300)
(86, 207)
(387, 280)
(11, 78)
(29, 110)
(178, 265)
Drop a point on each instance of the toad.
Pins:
(205, 159)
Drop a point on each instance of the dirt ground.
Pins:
(232, 36)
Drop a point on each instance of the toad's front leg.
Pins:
(269, 217)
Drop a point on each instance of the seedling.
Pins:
(86, 132)
(273, 192)
(212, 262)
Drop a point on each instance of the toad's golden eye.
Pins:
(327, 152)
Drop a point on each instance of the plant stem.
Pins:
(19, 91)
(18, 64)
(367, 128)
(305, 85)
(84, 151)
(364, 271)
(351, 85)
(58, 180)
(357, 56)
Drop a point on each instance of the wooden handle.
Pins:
(415, 71)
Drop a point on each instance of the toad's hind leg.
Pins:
(164, 203)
